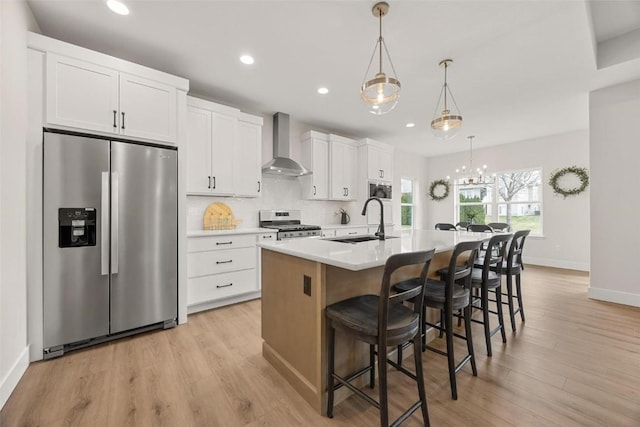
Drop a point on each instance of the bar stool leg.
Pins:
(372, 365)
(469, 337)
(448, 319)
(500, 313)
(330, 382)
(510, 302)
(519, 289)
(382, 375)
(417, 354)
(485, 319)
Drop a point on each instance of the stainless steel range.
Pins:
(288, 224)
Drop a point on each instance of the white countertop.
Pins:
(205, 233)
(374, 253)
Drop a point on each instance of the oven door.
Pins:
(382, 191)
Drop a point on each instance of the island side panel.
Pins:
(291, 322)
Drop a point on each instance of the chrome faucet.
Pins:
(380, 232)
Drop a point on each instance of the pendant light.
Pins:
(381, 92)
(446, 122)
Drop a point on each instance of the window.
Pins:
(514, 198)
(407, 206)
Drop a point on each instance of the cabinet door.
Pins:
(198, 151)
(385, 162)
(247, 170)
(224, 137)
(81, 95)
(350, 172)
(337, 167)
(147, 109)
(315, 156)
(374, 170)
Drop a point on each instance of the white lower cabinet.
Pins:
(223, 269)
(327, 233)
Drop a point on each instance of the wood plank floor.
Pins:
(575, 362)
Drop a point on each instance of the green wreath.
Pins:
(556, 175)
(439, 183)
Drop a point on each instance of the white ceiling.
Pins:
(522, 69)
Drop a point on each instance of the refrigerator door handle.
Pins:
(104, 225)
(114, 222)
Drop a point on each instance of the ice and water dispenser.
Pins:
(76, 227)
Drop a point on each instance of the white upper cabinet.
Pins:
(315, 157)
(81, 95)
(248, 157)
(343, 167)
(88, 96)
(198, 150)
(224, 150)
(224, 137)
(379, 162)
(148, 109)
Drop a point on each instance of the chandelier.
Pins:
(381, 92)
(466, 175)
(446, 122)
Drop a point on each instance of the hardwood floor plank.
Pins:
(574, 362)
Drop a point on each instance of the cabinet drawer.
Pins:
(327, 233)
(351, 231)
(214, 262)
(208, 288)
(199, 244)
(267, 237)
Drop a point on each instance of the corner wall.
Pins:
(565, 241)
(615, 149)
(15, 20)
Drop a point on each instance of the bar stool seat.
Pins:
(360, 315)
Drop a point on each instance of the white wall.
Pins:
(15, 20)
(615, 150)
(566, 242)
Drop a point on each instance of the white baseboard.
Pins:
(10, 381)
(617, 297)
(557, 263)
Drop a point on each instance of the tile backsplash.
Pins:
(277, 193)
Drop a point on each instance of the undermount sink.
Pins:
(357, 239)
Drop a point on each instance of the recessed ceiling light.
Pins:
(323, 90)
(247, 59)
(410, 125)
(118, 7)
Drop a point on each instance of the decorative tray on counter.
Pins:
(219, 216)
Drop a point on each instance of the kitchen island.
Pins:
(300, 277)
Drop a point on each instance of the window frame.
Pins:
(413, 205)
(495, 202)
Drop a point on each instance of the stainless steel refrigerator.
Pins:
(110, 239)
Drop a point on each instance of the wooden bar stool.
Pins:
(511, 268)
(384, 321)
(449, 295)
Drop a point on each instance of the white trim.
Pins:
(557, 263)
(617, 297)
(10, 381)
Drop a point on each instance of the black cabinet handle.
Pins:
(224, 243)
(258, 186)
(114, 118)
(314, 190)
(224, 286)
(224, 262)
(347, 192)
(353, 232)
(382, 170)
(209, 186)
(123, 120)
(214, 181)
(268, 236)
(380, 173)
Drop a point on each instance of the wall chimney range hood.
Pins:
(282, 164)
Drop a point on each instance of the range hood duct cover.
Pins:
(282, 164)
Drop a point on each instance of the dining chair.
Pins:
(462, 224)
(479, 228)
(445, 226)
(499, 226)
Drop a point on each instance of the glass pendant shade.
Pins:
(380, 92)
(446, 121)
